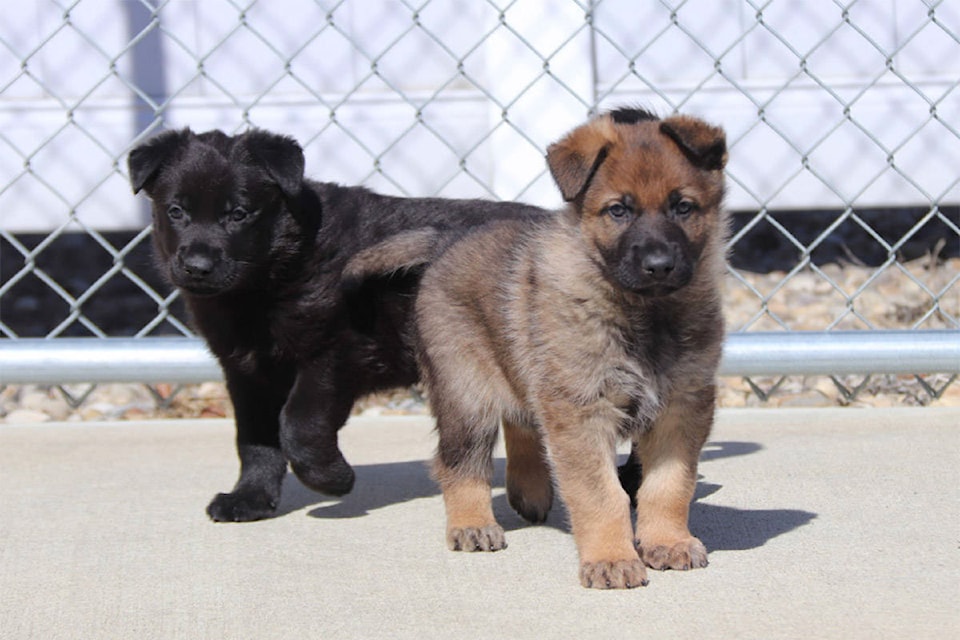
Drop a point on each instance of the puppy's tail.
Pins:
(399, 252)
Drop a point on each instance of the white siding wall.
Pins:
(66, 121)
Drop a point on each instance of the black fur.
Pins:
(631, 115)
(257, 253)
(710, 158)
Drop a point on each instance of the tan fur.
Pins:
(668, 455)
(470, 522)
(572, 334)
(404, 251)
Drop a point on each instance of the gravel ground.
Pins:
(808, 300)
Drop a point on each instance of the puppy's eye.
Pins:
(684, 207)
(174, 212)
(239, 214)
(618, 210)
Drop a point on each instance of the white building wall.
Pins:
(821, 110)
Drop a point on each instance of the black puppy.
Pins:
(257, 252)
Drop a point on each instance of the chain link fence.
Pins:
(843, 122)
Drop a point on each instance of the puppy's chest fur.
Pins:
(241, 330)
(577, 338)
(593, 353)
(260, 329)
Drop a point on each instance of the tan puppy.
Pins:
(575, 332)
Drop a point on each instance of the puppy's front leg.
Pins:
(582, 445)
(256, 405)
(463, 467)
(669, 453)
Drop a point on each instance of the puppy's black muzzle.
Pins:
(198, 268)
(658, 262)
(659, 268)
(654, 259)
(198, 265)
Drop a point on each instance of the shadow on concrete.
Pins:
(376, 486)
(382, 485)
(727, 529)
(727, 449)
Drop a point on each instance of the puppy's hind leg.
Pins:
(630, 474)
(463, 467)
(529, 484)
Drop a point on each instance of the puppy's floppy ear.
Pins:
(705, 146)
(574, 160)
(145, 161)
(281, 157)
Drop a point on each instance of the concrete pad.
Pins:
(820, 523)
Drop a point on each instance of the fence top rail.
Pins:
(187, 360)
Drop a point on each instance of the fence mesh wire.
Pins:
(368, 86)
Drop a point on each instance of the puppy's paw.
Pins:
(241, 506)
(532, 503)
(486, 538)
(615, 574)
(333, 478)
(681, 556)
(533, 511)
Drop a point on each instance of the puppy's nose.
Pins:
(658, 263)
(198, 264)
